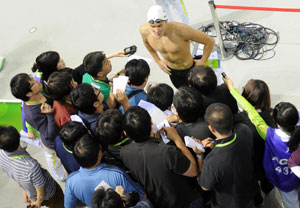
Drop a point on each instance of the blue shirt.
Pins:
(134, 100)
(81, 184)
(66, 156)
(89, 120)
(276, 161)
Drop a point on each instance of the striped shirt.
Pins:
(27, 172)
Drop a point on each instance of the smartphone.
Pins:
(130, 50)
(224, 75)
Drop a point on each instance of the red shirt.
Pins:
(62, 113)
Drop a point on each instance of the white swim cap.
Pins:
(156, 13)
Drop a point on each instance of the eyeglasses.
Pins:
(155, 21)
(97, 91)
(32, 81)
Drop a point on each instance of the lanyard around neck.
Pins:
(68, 101)
(121, 142)
(34, 102)
(69, 151)
(227, 143)
(100, 81)
(19, 156)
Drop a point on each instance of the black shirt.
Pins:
(228, 171)
(112, 153)
(198, 129)
(78, 73)
(159, 168)
(220, 95)
(258, 142)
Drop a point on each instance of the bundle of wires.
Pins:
(247, 40)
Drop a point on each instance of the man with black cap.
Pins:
(172, 41)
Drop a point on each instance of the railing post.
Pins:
(225, 55)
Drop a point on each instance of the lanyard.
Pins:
(99, 81)
(121, 142)
(227, 143)
(69, 151)
(69, 102)
(19, 156)
(34, 102)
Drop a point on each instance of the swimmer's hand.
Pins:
(200, 62)
(163, 66)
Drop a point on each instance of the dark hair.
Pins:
(219, 116)
(137, 124)
(102, 198)
(59, 85)
(86, 151)
(71, 132)
(46, 63)
(20, 86)
(257, 93)
(294, 141)
(286, 115)
(83, 98)
(189, 104)
(9, 138)
(137, 70)
(110, 126)
(203, 78)
(92, 62)
(161, 96)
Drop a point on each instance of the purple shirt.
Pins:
(276, 161)
(44, 123)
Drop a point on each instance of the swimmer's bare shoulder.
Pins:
(184, 31)
(144, 31)
(188, 33)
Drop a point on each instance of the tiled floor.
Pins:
(74, 28)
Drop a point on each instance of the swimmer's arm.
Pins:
(153, 53)
(190, 33)
(208, 47)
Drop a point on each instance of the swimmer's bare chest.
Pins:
(175, 51)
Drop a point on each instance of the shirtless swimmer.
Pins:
(172, 41)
